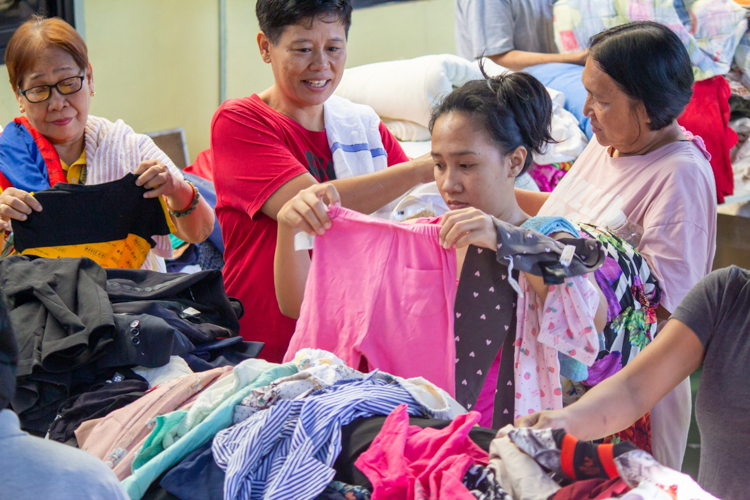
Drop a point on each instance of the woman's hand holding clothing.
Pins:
(468, 226)
(551, 419)
(307, 210)
(304, 212)
(156, 177)
(159, 181)
(16, 204)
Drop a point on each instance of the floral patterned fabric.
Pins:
(633, 295)
(710, 29)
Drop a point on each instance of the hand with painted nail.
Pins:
(467, 226)
(307, 211)
(16, 204)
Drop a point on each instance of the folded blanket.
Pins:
(407, 131)
(407, 89)
(710, 29)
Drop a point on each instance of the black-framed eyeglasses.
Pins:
(41, 93)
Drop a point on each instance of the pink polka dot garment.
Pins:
(564, 323)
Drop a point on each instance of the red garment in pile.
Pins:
(707, 115)
(593, 489)
(419, 464)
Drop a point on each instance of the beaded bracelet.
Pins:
(193, 204)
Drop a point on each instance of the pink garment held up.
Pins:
(383, 291)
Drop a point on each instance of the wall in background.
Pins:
(156, 62)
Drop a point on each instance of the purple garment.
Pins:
(606, 277)
(604, 368)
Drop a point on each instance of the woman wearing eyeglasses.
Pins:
(58, 141)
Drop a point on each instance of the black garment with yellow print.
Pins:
(110, 223)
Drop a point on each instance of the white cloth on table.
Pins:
(176, 368)
(639, 469)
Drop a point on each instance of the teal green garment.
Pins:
(176, 242)
(154, 443)
(221, 418)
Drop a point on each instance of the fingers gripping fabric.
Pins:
(560, 452)
(540, 255)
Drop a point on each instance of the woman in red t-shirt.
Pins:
(268, 147)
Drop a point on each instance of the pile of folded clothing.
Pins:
(93, 339)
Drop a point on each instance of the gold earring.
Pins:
(20, 109)
(93, 94)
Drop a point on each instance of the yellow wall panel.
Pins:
(156, 62)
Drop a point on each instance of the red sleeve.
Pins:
(396, 155)
(250, 160)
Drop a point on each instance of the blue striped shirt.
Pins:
(287, 451)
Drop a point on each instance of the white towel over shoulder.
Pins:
(354, 138)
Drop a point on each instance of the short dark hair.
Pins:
(514, 108)
(275, 15)
(649, 62)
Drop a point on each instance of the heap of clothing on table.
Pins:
(308, 400)
(318, 429)
(83, 332)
